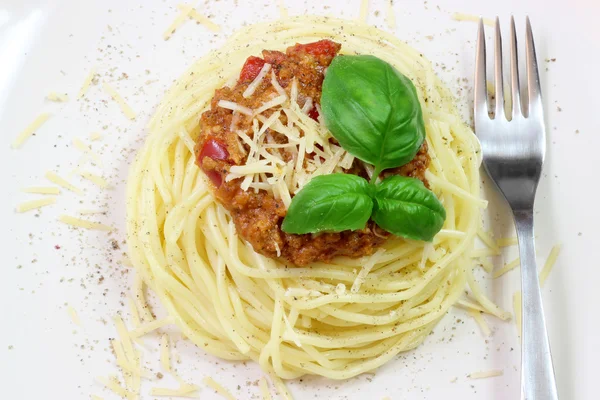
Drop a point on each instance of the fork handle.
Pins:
(537, 372)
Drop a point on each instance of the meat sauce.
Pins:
(258, 215)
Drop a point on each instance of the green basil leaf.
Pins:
(405, 207)
(372, 110)
(333, 203)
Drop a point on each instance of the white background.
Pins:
(51, 46)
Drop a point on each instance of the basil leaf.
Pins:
(405, 207)
(372, 110)
(334, 203)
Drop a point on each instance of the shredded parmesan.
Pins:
(390, 17)
(127, 110)
(34, 204)
(95, 136)
(210, 382)
(517, 310)
(86, 83)
(96, 179)
(41, 190)
(264, 388)
(114, 385)
(505, 242)
(85, 149)
(485, 329)
(58, 97)
(257, 81)
(485, 374)
(73, 315)
(30, 130)
(368, 265)
(282, 9)
(201, 19)
(550, 261)
(184, 390)
(364, 9)
(54, 178)
(184, 12)
(94, 397)
(151, 326)
(511, 265)
(277, 101)
(472, 18)
(230, 105)
(81, 223)
(486, 238)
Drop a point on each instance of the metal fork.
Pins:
(513, 146)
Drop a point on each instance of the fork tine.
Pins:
(533, 76)
(498, 73)
(480, 95)
(514, 71)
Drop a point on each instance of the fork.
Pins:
(513, 144)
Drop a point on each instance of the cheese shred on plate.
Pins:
(127, 110)
(57, 97)
(486, 374)
(210, 382)
(86, 83)
(34, 204)
(30, 130)
(41, 190)
(199, 18)
(54, 178)
(96, 179)
(185, 11)
(82, 223)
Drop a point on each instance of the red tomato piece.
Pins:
(217, 151)
(314, 114)
(251, 68)
(320, 48)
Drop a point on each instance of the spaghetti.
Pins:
(237, 304)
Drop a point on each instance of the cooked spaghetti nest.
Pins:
(339, 319)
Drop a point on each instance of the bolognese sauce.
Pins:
(258, 215)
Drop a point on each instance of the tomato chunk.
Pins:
(251, 68)
(320, 48)
(314, 114)
(217, 151)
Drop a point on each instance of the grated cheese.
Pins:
(550, 261)
(364, 8)
(505, 242)
(485, 329)
(114, 385)
(473, 18)
(390, 17)
(91, 212)
(96, 179)
(54, 178)
(30, 130)
(230, 105)
(257, 81)
(127, 110)
(201, 19)
(86, 83)
(368, 265)
(81, 223)
(210, 382)
(486, 374)
(185, 10)
(511, 265)
(165, 358)
(264, 388)
(58, 97)
(95, 136)
(282, 9)
(517, 310)
(34, 204)
(185, 390)
(94, 397)
(486, 238)
(279, 100)
(151, 326)
(74, 316)
(85, 149)
(41, 190)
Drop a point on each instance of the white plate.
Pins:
(52, 45)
